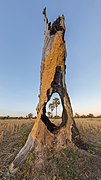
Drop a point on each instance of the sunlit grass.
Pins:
(11, 126)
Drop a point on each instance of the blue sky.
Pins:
(21, 43)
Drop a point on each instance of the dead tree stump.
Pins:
(53, 69)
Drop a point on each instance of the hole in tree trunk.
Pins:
(54, 109)
(53, 113)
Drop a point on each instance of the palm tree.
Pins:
(51, 107)
(49, 114)
(56, 102)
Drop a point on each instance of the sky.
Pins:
(21, 42)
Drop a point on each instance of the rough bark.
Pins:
(52, 79)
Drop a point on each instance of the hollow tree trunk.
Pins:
(52, 80)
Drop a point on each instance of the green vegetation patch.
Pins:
(24, 132)
(66, 165)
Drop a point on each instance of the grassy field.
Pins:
(12, 127)
(90, 132)
(69, 164)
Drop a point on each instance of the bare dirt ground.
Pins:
(71, 163)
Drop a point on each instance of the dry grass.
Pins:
(90, 132)
(69, 164)
(11, 126)
(89, 128)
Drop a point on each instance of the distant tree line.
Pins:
(50, 114)
(90, 115)
(29, 116)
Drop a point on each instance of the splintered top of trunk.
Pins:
(57, 25)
